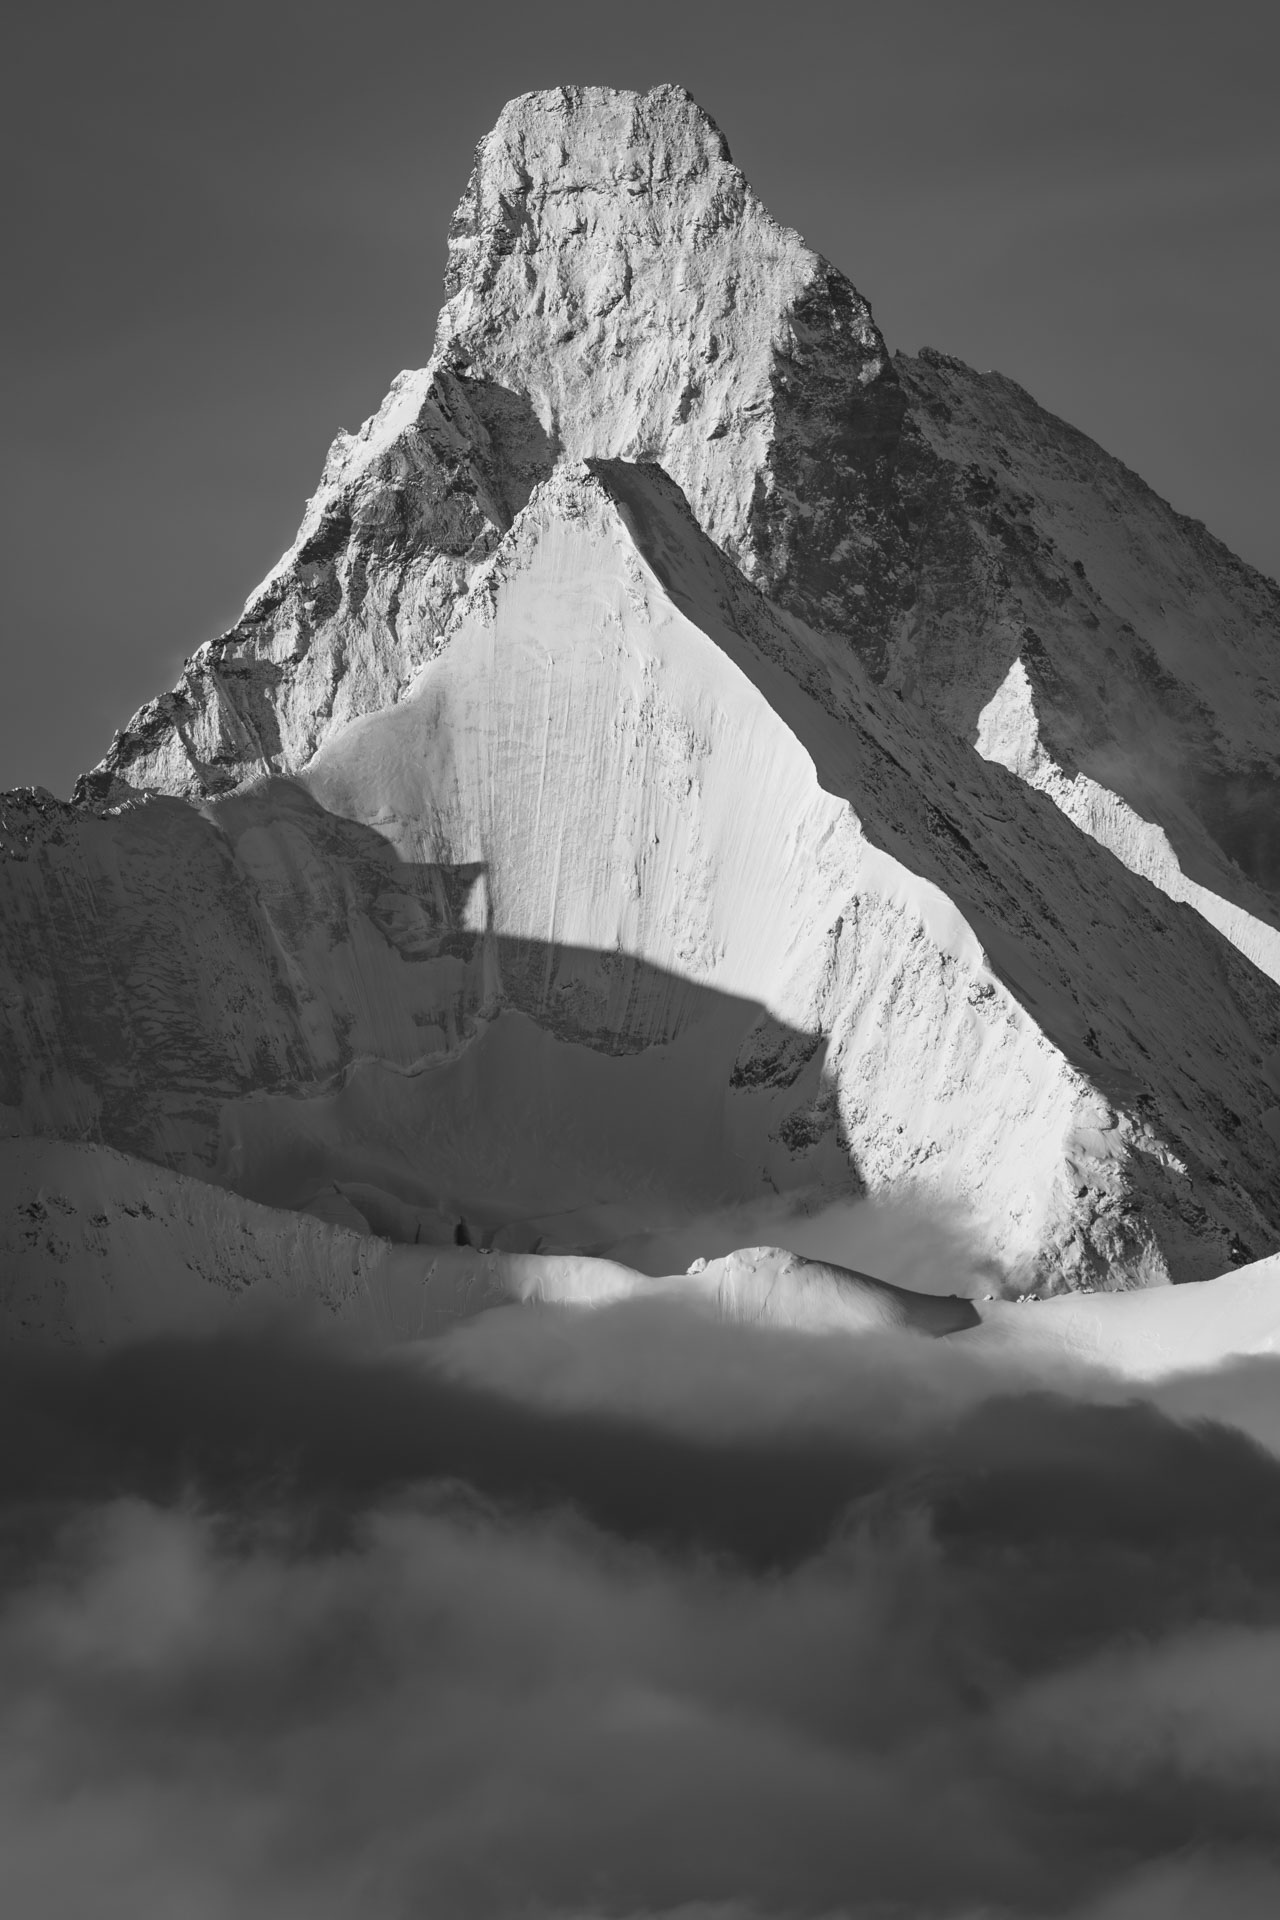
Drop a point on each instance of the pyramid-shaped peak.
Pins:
(617, 292)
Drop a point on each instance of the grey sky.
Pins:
(227, 235)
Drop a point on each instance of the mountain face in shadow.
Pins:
(266, 995)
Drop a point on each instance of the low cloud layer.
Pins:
(631, 1614)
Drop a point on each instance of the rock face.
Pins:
(582, 830)
(1138, 660)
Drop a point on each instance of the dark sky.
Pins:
(227, 236)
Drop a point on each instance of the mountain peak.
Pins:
(610, 262)
(616, 291)
(617, 702)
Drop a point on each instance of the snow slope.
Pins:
(578, 690)
(610, 924)
(97, 1248)
(1146, 1335)
(1009, 732)
(1140, 658)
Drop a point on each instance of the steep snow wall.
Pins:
(624, 787)
(610, 923)
(611, 733)
(263, 993)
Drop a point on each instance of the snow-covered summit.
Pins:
(582, 833)
(616, 290)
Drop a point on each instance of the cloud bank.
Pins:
(630, 1613)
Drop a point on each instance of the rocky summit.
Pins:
(694, 774)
